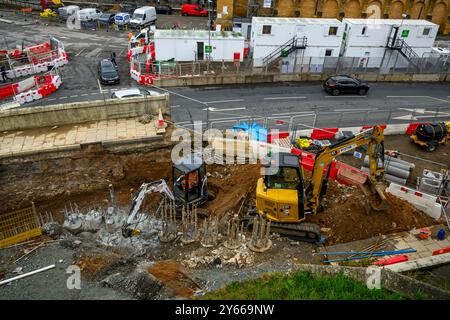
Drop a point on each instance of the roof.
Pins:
(142, 9)
(281, 159)
(202, 34)
(301, 21)
(188, 163)
(404, 22)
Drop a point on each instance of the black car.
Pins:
(345, 84)
(108, 72)
(164, 9)
(107, 18)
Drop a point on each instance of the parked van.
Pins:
(66, 12)
(122, 18)
(143, 17)
(89, 14)
(193, 10)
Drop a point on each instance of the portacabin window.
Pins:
(332, 31)
(363, 31)
(426, 31)
(328, 52)
(267, 29)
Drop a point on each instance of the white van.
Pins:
(89, 14)
(143, 17)
(67, 11)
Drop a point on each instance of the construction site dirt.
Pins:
(82, 180)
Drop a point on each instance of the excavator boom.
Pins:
(146, 188)
(374, 138)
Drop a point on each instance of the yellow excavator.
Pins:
(283, 198)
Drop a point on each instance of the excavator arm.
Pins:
(374, 138)
(146, 188)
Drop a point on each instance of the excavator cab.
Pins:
(279, 193)
(189, 181)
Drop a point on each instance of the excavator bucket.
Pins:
(374, 192)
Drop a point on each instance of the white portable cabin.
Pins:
(191, 45)
(323, 37)
(373, 40)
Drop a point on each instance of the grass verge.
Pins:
(301, 285)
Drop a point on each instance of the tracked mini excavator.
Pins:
(190, 188)
(283, 197)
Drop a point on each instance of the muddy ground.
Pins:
(82, 180)
(168, 270)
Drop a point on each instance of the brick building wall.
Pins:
(436, 11)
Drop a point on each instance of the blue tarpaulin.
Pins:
(255, 131)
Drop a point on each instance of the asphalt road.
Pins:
(225, 105)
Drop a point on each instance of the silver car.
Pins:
(133, 92)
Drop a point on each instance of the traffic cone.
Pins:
(160, 123)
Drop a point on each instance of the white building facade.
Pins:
(378, 42)
(323, 38)
(194, 45)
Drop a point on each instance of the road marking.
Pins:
(74, 96)
(94, 53)
(177, 106)
(80, 52)
(94, 94)
(120, 53)
(407, 97)
(293, 113)
(282, 98)
(425, 97)
(406, 117)
(224, 101)
(229, 109)
(340, 110)
(112, 90)
(182, 122)
(84, 94)
(345, 96)
(62, 98)
(51, 99)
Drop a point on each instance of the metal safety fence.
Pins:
(296, 121)
(306, 65)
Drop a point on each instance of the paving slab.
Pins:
(49, 138)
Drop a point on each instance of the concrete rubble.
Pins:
(106, 228)
(240, 257)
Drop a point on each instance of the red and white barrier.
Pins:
(330, 133)
(422, 201)
(39, 66)
(51, 84)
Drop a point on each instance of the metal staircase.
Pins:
(405, 50)
(284, 50)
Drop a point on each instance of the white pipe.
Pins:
(27, 274)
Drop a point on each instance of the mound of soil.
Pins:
(230, 184)
(94, 264)
(350, 218)
(171, 274)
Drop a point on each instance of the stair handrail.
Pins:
(291, 42)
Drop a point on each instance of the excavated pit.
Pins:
(82, 180)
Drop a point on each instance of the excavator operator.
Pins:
(192, 181)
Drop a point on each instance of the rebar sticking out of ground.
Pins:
(113, 196)
(169, 226)
(234, 237)
(189, 225)
(260, 242)
(210, 232)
